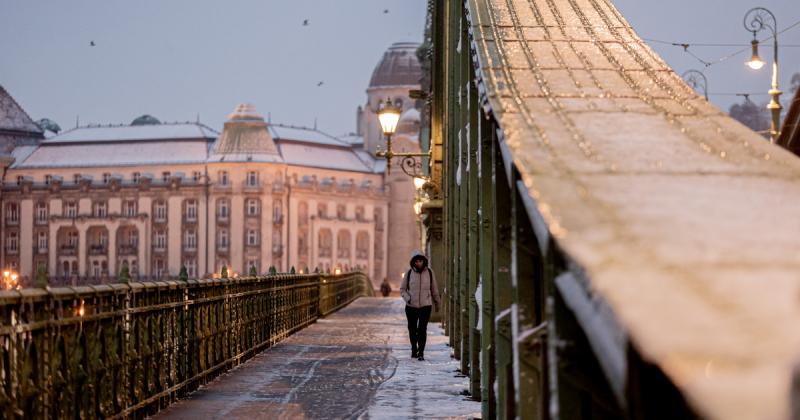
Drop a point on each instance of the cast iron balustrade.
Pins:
(128, 350)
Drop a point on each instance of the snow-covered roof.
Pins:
(13, 117)
(345, 159)
(115, 154)
(304, 134)
(121, 133)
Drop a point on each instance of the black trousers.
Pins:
(418, 326)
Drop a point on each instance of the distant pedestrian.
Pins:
(419, 291)
(386, 288)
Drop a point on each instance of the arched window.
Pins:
(343, 244)
(325, 243)
(362, 245)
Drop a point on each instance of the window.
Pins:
(277, 248)
(48, 179)
(12, 213)
(322, 210)
(325, 243)
(159, 267)
(136, 177)
(106, 178)
(191, 211)
(160, 211)
(252, 237)
(196, 175)
(165, 176)
(99, 209)
(343, 244)
(253, 207)
(277, 211)
(41, 242)
(12, 242)
(20, 178)
(302, 213)
(223, 178)
(131, 238)
(71, 209)
(190, 240)
(252, 179)
(360, 213)
(362, 245)
(223, 209)
(160, 240)
(129, 208)
(252, 263)
(191, 267)
(41, 213)
(72, 238)
(76, 178)
(341, 212)
(222, 239)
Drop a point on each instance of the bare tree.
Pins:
(751, 115)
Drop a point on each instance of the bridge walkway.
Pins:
(352, 364)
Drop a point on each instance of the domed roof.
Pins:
(409, 122)
(399, 66)
(245, 112)
(146, 120)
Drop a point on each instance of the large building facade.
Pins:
(156, 197)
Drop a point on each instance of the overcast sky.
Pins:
(180, 58)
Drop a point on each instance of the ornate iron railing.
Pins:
(128, 350)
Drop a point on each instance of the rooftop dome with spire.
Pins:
(398, 67)
(145, 119)
(246, 137)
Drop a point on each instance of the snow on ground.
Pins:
(421, 389)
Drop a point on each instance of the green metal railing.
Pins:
(128, 350)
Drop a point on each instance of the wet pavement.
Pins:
(354, 364)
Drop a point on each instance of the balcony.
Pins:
(98, 249)
(40, 250)
(127, 250)
(40, 220)
(68, 249)
(159, 248)
(12, 221)
(190, 218)
(12, 250)
(362, 254)
(251, 187)
(277, 220)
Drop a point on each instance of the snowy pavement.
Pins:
(354, 364)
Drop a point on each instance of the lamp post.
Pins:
(389, 115)
(756, 20)
(697, 80)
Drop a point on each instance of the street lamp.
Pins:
(389, 116)
(697, 80)
(756, 20)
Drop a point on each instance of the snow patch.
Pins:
(458, 169)
(479, 300)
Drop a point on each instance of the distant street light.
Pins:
(697, 80)
(756, 20)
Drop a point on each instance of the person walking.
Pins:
(420, 292)
(386, 288)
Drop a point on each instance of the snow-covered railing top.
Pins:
(684, 222)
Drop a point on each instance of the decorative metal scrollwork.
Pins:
(411, 166)
(697, 80)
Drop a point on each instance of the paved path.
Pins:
(354, 364)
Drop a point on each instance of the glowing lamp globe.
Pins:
(388, 115)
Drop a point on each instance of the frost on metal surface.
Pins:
(684, 220)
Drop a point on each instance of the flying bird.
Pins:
(320, 83)
(305, 22)
(91, 43)
(385, 11)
